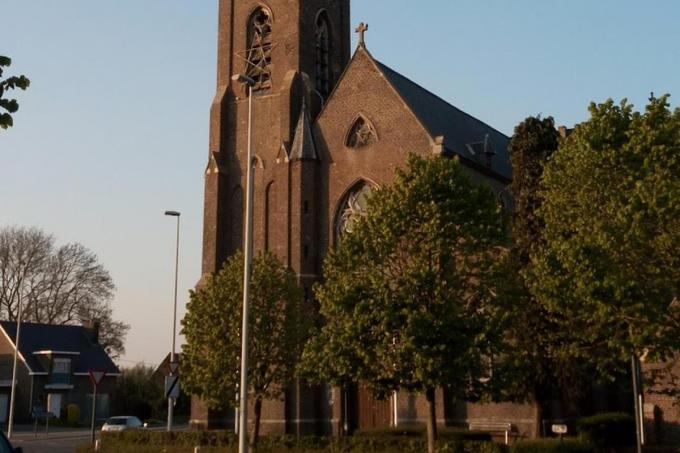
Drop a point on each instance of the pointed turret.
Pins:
(303, 144)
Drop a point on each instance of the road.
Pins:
(62, 441)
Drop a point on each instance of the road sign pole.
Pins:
(94, 408)
(96, 377)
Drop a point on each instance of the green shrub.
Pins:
(73, 414)
(406, 431)
(226, 442)
(418, 431)
(552, 446)
(608, 430)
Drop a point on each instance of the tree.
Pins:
(212, 326)
(528, 371)
(534, 142)
(138, 393)
(10, 106)
(609, 269)
(56, 285)
(406, 296)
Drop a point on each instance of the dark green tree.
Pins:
(278, 328)
(534, 141)
(9, 106)
(609, 269)
(406, 297)
(527, 371)
(139, 393)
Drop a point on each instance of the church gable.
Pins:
(364, 133)
(365, 119)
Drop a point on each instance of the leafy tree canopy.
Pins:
(9, 106)
(610, 268)
(406, 293)
(212, 328)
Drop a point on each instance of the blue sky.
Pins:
(114, 128)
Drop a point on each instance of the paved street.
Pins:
(52, 444)
(59, 440)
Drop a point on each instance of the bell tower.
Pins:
(296, 51)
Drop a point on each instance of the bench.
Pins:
(493, 427)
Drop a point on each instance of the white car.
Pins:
(122, 423)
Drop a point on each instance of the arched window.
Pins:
(259, 52)
(361, 133)
(352, 208)
(323, 76)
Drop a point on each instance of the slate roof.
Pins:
(48, 337)
(463, 133)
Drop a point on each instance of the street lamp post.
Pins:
(10, 423)
(247, 263)
(171, 401)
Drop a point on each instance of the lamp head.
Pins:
(172, 213)
(244, 79)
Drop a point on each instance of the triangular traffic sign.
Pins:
(96, 376)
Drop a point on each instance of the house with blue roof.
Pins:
(54, 364)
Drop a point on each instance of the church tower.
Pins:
(296, 51)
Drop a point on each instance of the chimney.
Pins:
(92, 327)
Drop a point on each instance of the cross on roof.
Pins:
(362, 29)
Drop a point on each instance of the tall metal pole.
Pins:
(94, 410)
(12, 398)
(248, 262)
(636, 406)
(171, 400)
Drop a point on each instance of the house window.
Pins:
(259, 51)
(61, 371)
(362, 133)
(323, 55)
(61, 366)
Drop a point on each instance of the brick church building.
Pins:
(328, 127)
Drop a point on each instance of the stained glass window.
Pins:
(352, 209)
(361, 134)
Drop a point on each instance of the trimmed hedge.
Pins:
(608, 430)
(226, 442)
(445, 433)
(552, 446)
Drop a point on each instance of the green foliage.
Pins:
(10, 83)
(73, 414)
(530, 369)
(608, 430)
(220, 441)
(405, 292)
(445, 434)
(277, 329)
(552, 446)
(407, 299)
(138, 393)
(609, 271)
(534, 141)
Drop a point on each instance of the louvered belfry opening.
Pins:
(259, 52)
(323, 55)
